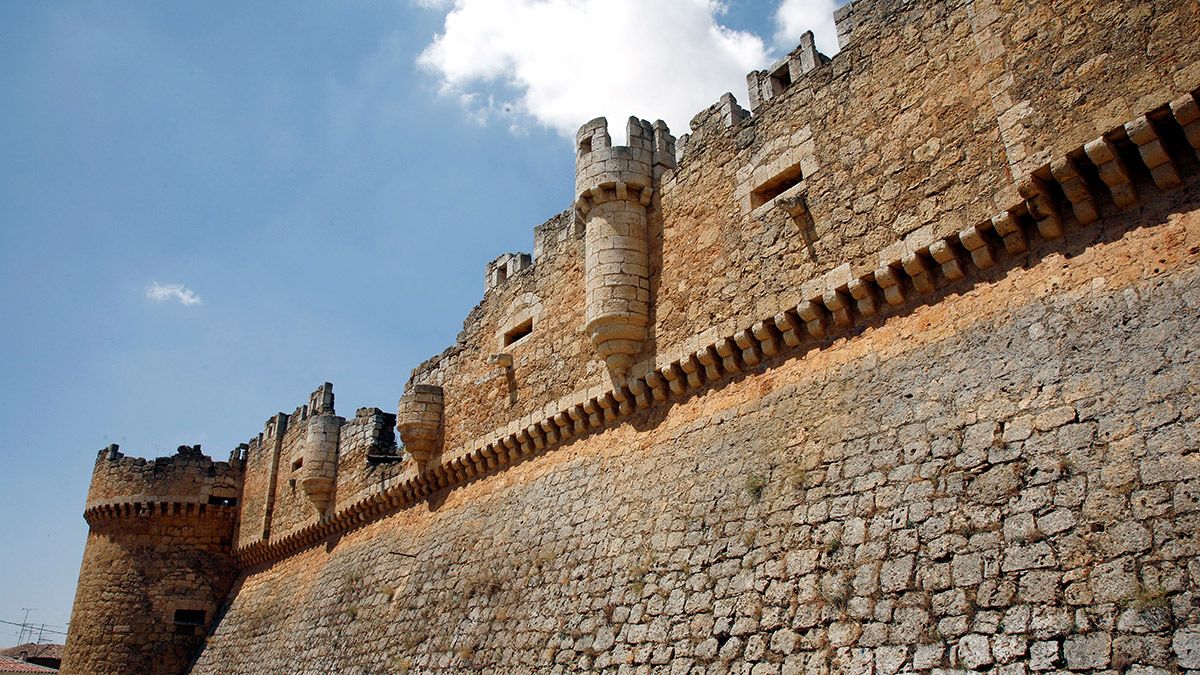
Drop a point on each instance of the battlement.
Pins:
(187, 477)
(601, 166)
(764, 85)
(504, 267)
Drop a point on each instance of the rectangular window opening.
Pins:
(297, 464)
(222, 501)
(189, 617)
(776, 185)
(585, 146)
(781, 80)
(521, 330)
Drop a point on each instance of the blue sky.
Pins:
(208, 209)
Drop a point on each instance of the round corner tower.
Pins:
(158, 561)
(614, 187)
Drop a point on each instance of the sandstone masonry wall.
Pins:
(555, 357)
(901, 379)
(921, 126)
(259, 481)
(292, 508)
(138, 573)
(1005, 480)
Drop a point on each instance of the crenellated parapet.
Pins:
(918, 269)
(764, 85)
(600, 165)
(503, 268)
(614, 188)
(187, 477)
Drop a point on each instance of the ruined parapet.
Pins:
(503, 268)
(419, 421)
(764, 85)
(158, 560)
(844, 20)
(187, 477)
(320, 402)
(614, 186)
(372, 434)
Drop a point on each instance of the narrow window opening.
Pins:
(777, 185)
(222, 501)
(297, 464)
(585, 146)
(521, 330)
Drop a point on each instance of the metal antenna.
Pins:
(24, 625)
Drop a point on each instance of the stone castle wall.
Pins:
(896, 373)
(1005, 479)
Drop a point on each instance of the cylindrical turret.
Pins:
(317, 456)
(419, 421)
(614, 186)
(318, 472)
(157, 564)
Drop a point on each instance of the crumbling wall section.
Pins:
(367, 456)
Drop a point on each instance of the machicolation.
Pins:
(895, 371)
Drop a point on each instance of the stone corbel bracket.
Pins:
(118, 509)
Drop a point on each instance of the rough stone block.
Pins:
(1087, 651)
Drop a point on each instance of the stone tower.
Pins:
(614, 190)
(158, 561)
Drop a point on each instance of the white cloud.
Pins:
(794, 17)
(177, 292)
(560, 63)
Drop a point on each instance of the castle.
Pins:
(897, 370)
